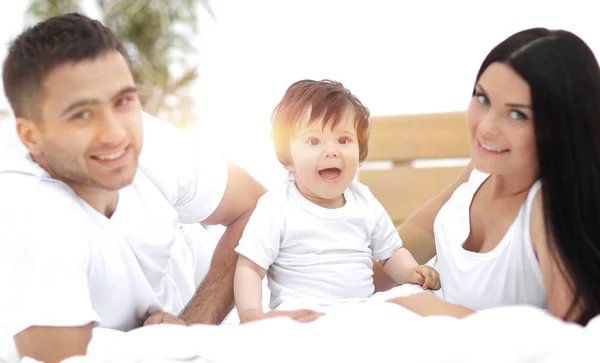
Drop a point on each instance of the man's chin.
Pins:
(114, 183)
(115, 186)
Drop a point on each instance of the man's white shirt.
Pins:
(64, 264)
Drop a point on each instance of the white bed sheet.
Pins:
(370, 332)
(364, 333)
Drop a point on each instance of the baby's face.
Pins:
(325, 160)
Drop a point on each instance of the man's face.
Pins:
(89, 131)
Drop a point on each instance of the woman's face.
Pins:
(500, 123)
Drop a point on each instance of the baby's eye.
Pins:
(344, 140)
(314, 141)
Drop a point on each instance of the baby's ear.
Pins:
(290, 170)
(287, 163)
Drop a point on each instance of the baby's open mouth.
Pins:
(330, 173)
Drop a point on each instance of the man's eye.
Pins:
(122, 101)
(82, 115)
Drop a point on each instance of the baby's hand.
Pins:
(425, 276)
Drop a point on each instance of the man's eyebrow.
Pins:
(125, 90)
(90, 102)
(78, 104)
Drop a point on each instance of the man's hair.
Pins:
(33, 54)
(328, 101)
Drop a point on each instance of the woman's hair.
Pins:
(564, 79)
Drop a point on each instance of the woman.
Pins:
(521, 224)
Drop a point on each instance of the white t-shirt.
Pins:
(64, 264)
(508, 275)
(315, 254)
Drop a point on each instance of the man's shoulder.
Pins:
(17, 183)
(37, 201)
(164, 144)
(41, 217)
(178, 163)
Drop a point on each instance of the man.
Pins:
(90, 215)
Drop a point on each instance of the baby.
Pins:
(318, 233)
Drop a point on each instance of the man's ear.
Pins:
(30, 136)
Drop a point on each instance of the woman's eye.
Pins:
(482, 99)
(518, 115)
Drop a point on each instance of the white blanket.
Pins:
(365, 333)
(370, 332)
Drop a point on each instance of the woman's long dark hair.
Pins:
(564, 79)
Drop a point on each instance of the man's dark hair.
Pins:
(32, 55)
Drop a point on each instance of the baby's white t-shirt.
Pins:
(315, 254)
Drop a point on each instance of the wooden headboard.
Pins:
(409, 157)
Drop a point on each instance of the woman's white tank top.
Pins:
(507, 275)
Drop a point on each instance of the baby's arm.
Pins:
(258, 248)
(247, 287)
(399, 265)
(403, 268)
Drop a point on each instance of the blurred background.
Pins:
(220, 66)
